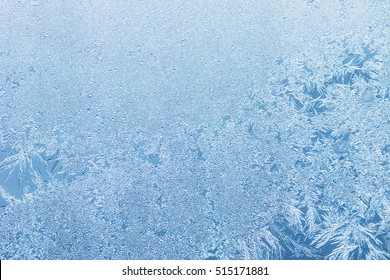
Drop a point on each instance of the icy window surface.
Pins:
(194, 129)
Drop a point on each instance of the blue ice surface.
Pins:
(194, 129)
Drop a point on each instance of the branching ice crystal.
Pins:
(137, 130)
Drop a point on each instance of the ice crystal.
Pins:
(137, 130)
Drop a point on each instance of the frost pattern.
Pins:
(231, 146)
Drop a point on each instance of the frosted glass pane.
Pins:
(194, 129)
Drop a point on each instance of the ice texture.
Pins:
(194, 129)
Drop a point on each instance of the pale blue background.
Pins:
(194, 129)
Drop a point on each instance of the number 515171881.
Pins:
(241, 270)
